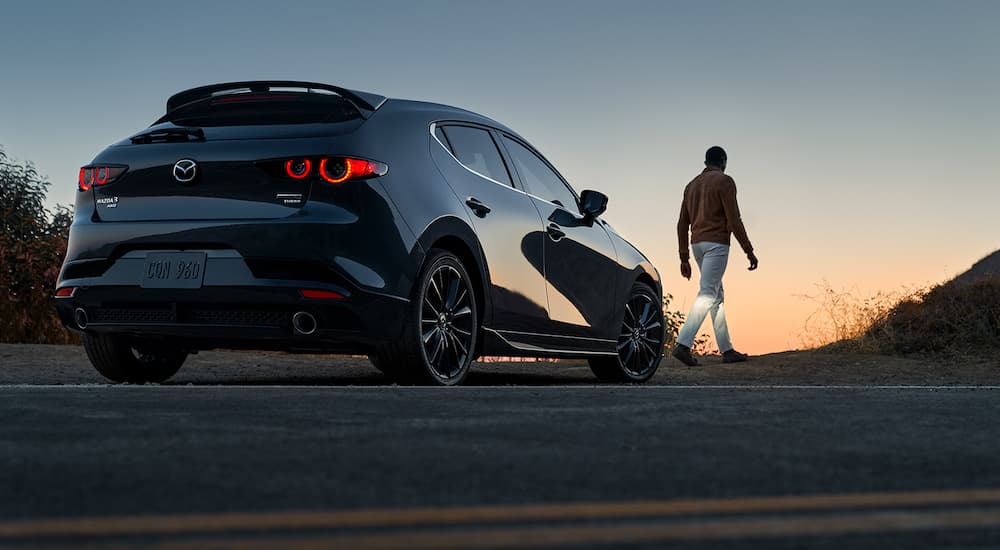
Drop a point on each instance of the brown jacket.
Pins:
(710, 210)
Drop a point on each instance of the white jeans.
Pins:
(712, 259)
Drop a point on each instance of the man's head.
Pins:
(716, 156)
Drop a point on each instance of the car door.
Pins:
(506, 223)
(581, 265)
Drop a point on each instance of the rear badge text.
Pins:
(108, 202)
(289, 199)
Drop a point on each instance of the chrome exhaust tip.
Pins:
(304, 323)
(80, 316)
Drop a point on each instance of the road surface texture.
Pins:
(532, 455)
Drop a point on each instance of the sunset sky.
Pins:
(864, 136)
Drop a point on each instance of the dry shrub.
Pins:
(845, 315)
(959, 319)
(955, 319)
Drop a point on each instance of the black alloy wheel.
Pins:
(447, 322)
(439, 346)
(640, 342)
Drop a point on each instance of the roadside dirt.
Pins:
(52, 364)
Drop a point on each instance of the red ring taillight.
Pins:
(99, 175)
(83, 182)
(298, 169)
(348, 168)
(102, 175)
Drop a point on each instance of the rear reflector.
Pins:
(314, 294)
(65, 292)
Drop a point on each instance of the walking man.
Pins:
(712, 214)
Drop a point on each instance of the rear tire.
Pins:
(640, 340)
(120, 360)
(439, 335)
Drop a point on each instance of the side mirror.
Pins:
(593, 203)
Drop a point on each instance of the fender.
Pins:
(452, 228)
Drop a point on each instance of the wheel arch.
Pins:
(644, 272)
(645, 278)
(454, 235)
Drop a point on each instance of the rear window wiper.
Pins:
(170, 134)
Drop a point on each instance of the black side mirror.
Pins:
(593, 203)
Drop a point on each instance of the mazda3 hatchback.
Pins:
(307, 217)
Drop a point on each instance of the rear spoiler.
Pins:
(364, 102)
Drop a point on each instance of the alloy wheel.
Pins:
(447, 322)
(640, 343)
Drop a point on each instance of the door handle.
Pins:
(477, 206)
(555, 232)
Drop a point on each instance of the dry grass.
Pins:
(955, 319)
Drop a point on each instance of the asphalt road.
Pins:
(390, 467)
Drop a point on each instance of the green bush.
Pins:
(32, 247)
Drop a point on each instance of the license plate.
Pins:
(173, 270)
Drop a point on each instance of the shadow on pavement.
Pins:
(493, 377)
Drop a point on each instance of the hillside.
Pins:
(986, 268)
(959, 318)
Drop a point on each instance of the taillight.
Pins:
(99, 175)
(332, 170)
(339, 169)
(86, 178)
(298, 168)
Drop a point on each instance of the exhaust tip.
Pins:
(304, 323)
(80, 316)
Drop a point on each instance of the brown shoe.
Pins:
(733, 356)
(683, 353)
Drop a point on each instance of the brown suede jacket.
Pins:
(711, 212)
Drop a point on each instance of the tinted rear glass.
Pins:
(475, 149)
(246, 109)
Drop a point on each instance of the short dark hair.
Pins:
(715, 156)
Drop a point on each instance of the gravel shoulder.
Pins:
(56, 364)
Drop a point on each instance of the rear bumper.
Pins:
(232, 309)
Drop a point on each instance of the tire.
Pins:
(441, 331)
(119, 360)
(640, 340)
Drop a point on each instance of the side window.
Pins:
(439, 134)
(538, 178)
(475, 149)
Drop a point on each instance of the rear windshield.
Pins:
(247, 109)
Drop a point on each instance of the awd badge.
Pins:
(108, 202)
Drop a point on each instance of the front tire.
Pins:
(640, 341)
(120, 360)
(440, 333)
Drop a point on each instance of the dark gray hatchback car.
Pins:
(308, 217)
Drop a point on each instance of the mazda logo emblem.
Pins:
(185, 170)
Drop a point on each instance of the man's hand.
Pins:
(686, 269)
(753, 261)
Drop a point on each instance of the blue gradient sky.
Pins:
(863, 136)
